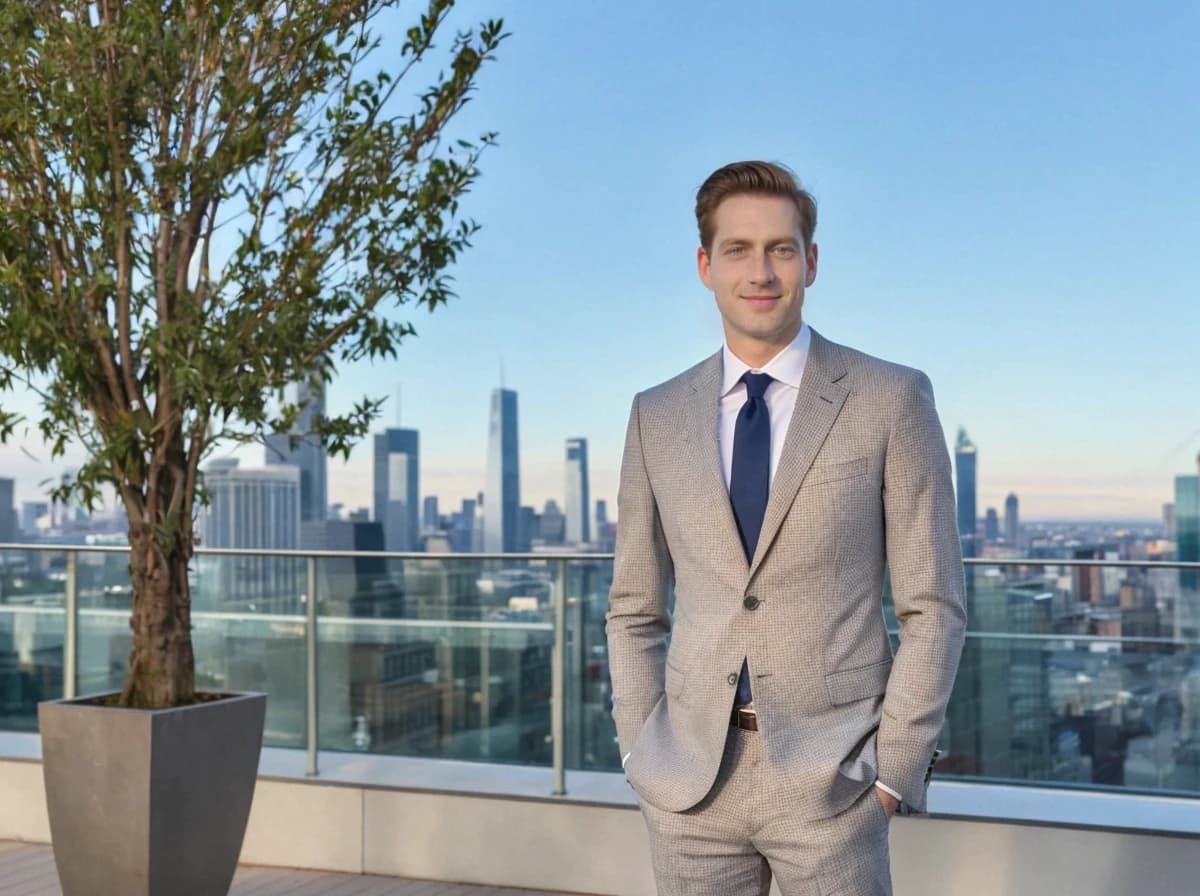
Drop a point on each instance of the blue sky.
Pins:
(1008, 200)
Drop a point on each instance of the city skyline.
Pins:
(1005, 203)
(354, 485)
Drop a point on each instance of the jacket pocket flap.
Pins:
(834, 472)
(674, 678)
(849, 685)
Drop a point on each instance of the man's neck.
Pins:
(756, 353)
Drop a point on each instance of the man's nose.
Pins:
(762, 272)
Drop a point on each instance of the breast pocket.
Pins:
(821, 474)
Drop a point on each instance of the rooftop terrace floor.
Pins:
(28, 870)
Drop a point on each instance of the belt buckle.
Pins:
(743, 712)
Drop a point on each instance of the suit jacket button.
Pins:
(732, 679)
(751, 603)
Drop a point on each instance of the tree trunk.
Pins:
(161, 664)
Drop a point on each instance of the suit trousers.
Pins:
(734, 840)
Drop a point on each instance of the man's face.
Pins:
(758, 269)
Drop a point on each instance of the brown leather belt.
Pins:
(746, 719)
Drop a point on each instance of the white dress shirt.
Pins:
(786, 369)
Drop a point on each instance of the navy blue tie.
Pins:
(750, 479)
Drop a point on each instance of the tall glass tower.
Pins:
(964, 466)
(578, 495)
(1187, 527)
(1012, 522)
(308, 456)
(8, 513)
(397, 480)
(502, 497)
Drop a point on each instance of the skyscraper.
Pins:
(527, 528)
(1187, 526)
(353, 586)
(1012, 523)
(964, 466)
(991, 524)
(8, 511)
(462, 528)
(254, 509)
(309, 455)
(31, 512)
(578, 496)
(430, 519)
(553, 527)
(397, 478)
(503, 493)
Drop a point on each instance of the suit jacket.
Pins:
(863, 487)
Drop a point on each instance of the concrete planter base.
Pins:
(150, 802)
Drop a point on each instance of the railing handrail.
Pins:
(302, 554)
(552, 557)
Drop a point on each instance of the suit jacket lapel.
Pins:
(702, 434)
(817, 406)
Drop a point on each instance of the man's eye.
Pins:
(785, 251)
(735, 250)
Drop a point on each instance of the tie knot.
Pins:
(756, 383)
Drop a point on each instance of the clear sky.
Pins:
(1009, 199)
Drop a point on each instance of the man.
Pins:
(765, 725)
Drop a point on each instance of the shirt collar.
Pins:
(786, 367)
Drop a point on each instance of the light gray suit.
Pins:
(863, 487)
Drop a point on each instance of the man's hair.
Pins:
(756, 178)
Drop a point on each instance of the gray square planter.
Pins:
(150, 802)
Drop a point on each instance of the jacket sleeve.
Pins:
(924, 558)
(637, 619)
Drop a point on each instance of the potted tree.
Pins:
(201, 203)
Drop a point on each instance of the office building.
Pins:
(1012, 524)
(462, 528)
(303, 450)
(503, 492)
(1187, 527)
(252, 509)
(553, 524)
(579, 503)
(354, 586)
(397, 477)
(31, 512)
(430, 520)
(8, 513)
(991, 525)
(528, 523)
(964, 467)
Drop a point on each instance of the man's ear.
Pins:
(704, 267)
(810, 273)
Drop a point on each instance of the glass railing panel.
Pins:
(1073, 676)
(591, 736)
(103, 633)
(247, 631)
(32, 632)
(446, 658)
(248, 635)
(1078, 676)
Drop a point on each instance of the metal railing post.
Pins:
(310, 665)
(558, 680)
(71, 629)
